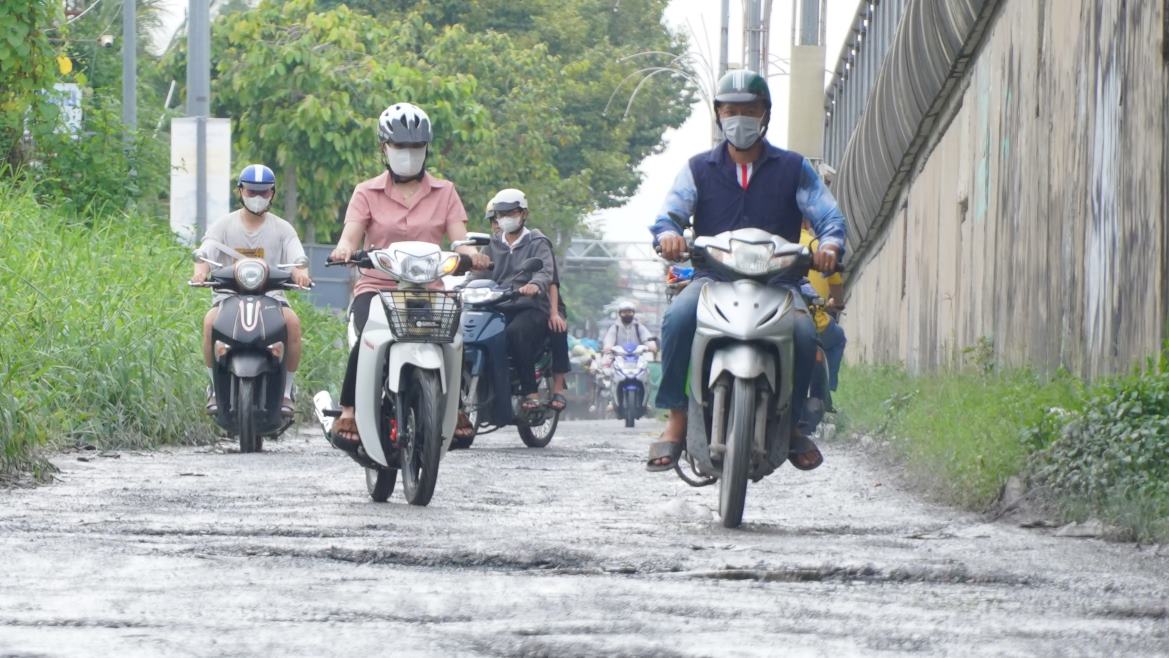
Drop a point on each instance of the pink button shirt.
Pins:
(378, 206)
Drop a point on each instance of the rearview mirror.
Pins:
(532, 265)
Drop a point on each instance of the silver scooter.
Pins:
(742, 363)
(408, 370)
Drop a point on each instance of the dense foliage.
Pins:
(1111, 452)
(26, 68)
(517, 90)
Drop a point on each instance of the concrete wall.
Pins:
(1037, 217)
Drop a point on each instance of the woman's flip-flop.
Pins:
(558, 402)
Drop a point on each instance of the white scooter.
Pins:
(742, 363)
(408, 368)
(630, 379)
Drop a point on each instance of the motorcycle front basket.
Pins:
(423, 316)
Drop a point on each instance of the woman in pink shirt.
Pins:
(404, 203)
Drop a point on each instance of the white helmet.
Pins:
(505, 201)
(403, 123)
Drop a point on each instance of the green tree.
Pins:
(517, 91)
(304, 89)
(26, 68)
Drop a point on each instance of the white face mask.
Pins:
(743, 131)
(510, 224)
(407, 162)
(257, 204)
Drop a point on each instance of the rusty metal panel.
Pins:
(1038, 219)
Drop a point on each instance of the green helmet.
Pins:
(742, 86)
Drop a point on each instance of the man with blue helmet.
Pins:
(253, 232)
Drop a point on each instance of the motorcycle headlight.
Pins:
(751, 258)
(418, 269)
(481, 295)
(251, 275)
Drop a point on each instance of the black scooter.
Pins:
(248, 340)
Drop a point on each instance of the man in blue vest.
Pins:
(743, 182)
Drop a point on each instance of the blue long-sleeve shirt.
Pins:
(731, 204)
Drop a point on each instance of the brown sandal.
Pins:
(344, 437)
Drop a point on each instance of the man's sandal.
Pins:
(806, 461)
(558, 402)
(464, 429)
(659, 450)
(530, 404)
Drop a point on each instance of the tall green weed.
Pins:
(100, 338)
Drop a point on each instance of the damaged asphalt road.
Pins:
(573, 550)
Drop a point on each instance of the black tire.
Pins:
(540, 436)
(245, 417)
(468, 399)
(420, 435)
(380, 483)
(732, 494)
(630, 403)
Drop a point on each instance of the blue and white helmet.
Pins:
(257, 177)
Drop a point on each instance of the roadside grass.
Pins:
(100, 338)
(961, 434)
(1099, 451)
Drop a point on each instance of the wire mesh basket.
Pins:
(423, 316)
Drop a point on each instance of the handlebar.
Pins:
(356, 258)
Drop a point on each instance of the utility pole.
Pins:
(724, 38)
(199, 99)
(806, 100)
(753, 31)
(129, 66)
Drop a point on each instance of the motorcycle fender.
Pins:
(371, 359)
(249, 364)
(452, 354)
(744, 361)
(425, 356)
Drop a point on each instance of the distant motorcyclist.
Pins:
(254, 232)
(627, 330)
(743, 182)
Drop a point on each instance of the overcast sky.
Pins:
(700, 19)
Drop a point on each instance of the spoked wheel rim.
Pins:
(551, 417)
(409, 446)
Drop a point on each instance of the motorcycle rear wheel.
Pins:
(380, 483)
(732, 493)
(540, 435)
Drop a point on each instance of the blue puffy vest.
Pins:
(768, 203)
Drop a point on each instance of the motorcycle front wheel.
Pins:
(732, 494)
(630, 402)
(245, 416)
(419, 435)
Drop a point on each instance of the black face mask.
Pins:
(627, 319)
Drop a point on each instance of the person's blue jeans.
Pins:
(833, 341)
(678, 327)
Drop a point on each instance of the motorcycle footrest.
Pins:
(331, 413)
